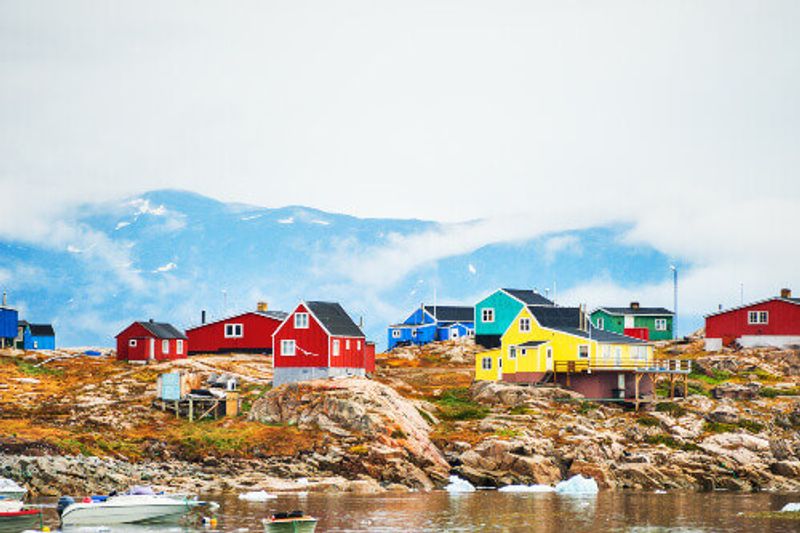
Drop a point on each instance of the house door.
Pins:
(152, 353)
(454, 333)
(629, 321)
(549, 359)
(500, 367)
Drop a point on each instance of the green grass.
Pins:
(721, 427)
(716, 377)
(508, 433)
(520, 410)
(32, 370)
(584, 407)
(250, 398)
(456, 404)
(670, 442)
(648, 421)
(672, 408)
(771, 392)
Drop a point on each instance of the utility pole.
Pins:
(674, 300)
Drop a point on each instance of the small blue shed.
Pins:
(39, 337)
(9, 319)
(433, 323)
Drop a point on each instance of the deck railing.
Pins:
(667, 366)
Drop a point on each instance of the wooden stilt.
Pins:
(636, 378)
(685, 386)
(672, 386)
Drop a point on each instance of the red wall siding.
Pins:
(352, 357)
(784, 319)
(257, 330)
(369, 357)
(312, 343)
(142, 349)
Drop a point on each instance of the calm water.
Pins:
(493, 511)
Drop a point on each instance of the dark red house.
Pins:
(320, 340)
(771, 322)
(246, 332)
(151, 341)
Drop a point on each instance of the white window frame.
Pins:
(165, 346)
(524, 324)
(512, 352)
(486, 363)
(132, 343)
(234, 330)
(661, 324)
(487, 315)
(588, 351)
(395, 333)
(606, 351)
(179, 347)
(301, 321)
(757, 317)
(601, 323)
(335, 348)
(414, 332)
(288, 347)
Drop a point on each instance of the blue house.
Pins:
(37, 336)
(9, 318)
(433, 323)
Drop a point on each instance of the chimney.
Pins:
(202, 317)
(634, 305)
(262, 306)
(4, 298)
(785, 293)
(361, 321)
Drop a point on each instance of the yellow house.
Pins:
(560, 344)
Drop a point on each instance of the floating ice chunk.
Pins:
(257, 496)
(526, 488)
(793, 507)
(459, 485)
(577, 485)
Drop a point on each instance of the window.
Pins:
(234, 331)
(487, 315)
(524, 324)
(358, 345)
(347, 344)
(335, 349)
(301, 320)
(601, 324)
(395, 333)
(179, 347)
(288, 347)
(758, 317)
(486, 363)
(132, 343)
(661, 324)
(165, 346)
(512, 352)
(523, 352)
(414, 332)
(640, 353)
(583, 351)
(606, 351)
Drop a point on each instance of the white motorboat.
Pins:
(9, 489)
(125, 509)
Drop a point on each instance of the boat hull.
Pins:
(20, 521)
(114, 511)
(303, 525)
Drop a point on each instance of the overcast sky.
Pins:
(682, 118)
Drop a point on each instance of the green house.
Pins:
(649, 323)
(497, 311)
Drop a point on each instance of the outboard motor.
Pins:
(63, 503)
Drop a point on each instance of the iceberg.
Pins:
(257, 496)
(793, 507)
(459, 485)
(577, 486)
(526, 488)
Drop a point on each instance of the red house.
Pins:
(148, 341)
(319, 340)
(771, 322)
(246, 332)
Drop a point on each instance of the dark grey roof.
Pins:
(452, 313)
(162, 330)
(532, 344)
(277, 315)
(335, 319)
(557, 317)
(795, 300)
(639, 311)
(23, 323)
(529, 297)
(42, 330)
(600, 335)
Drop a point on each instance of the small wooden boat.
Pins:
(16, 521)
(294, 522)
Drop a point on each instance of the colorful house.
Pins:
(495, 313)
(319, 340)
(36, 336)
(433, 323)
(646, 323)
(246, 332)
(9, 319)
(548, 344)
(770, 322)
(151, 341)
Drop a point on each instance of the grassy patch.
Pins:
(584, 407)
(721, 427)
(716, 377)
(253, 396)
(520, 410)
(508, 433)
(30, 369)
(648, 421)
(771, 392)
(672, 408)
(670, 442)
(456, 404)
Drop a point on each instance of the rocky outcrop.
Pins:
(498, 462)
(385, 434)
(735, 391)
(511, 395)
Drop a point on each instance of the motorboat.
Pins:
(125, 509)
(14, 518)
(11, 490)
(294, 522)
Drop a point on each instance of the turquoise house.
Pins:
(495, 313)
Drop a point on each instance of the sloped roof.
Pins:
(638, 311)
(795, 301)
(162, 330)
(335, 319)
(452, 313)
(557, 317)
(277, 315)
(532, 344)
(529, 297)
(42, 330)
(600, 335)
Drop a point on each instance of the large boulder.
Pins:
(735, 391)
(510, 395)
(499, 462)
